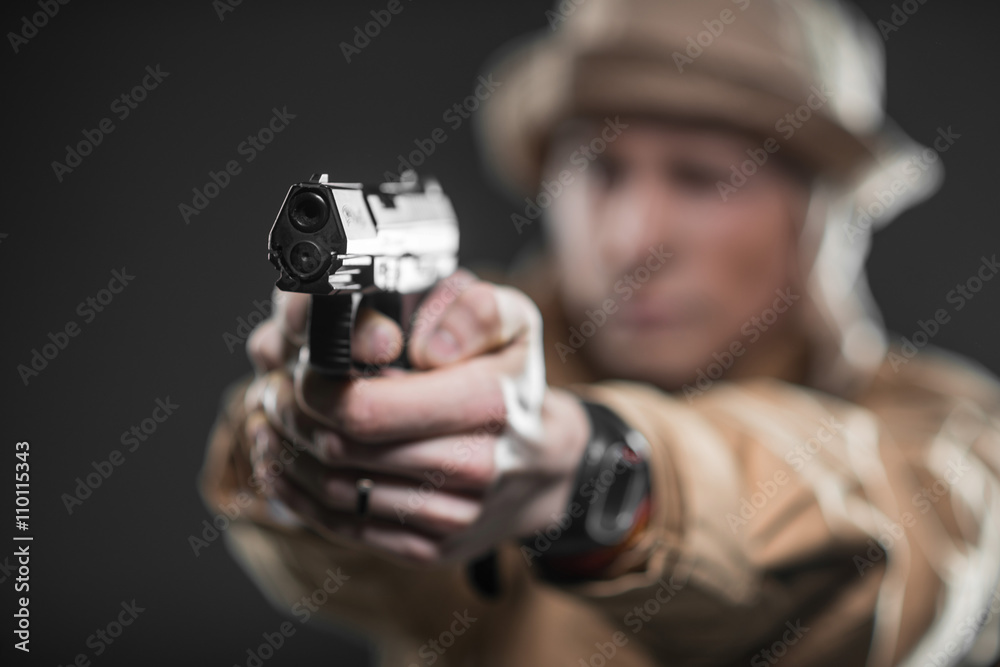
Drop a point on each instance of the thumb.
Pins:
(377, 339)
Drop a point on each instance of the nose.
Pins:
(646, 214)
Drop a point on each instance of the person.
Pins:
(678, 435)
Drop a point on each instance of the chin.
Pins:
(667, 360)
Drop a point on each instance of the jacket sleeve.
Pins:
(788, 524)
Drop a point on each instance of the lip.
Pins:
(659, 313)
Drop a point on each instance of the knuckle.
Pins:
(522, 304)
(478, 472)
(257, 345)
(268, 396)
(253, 396)
(329, 447)
(481, 305)
(354, 414)
(418, 551)
(445, 520)
(337, 491)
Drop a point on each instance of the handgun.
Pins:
(351, 245)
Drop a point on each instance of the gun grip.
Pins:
(331, 324)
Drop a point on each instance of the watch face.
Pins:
(622, 483)
(638, 444)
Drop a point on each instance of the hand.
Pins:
(471, 449)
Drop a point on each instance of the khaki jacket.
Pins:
(788, 526)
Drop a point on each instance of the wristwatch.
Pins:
(611, 488)
(610, 503)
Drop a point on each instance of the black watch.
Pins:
(610, 486)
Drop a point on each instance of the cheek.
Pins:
(571, 224)
(747, 254)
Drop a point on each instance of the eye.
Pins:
(607, 171)
(696, 177)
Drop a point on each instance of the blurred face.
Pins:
(690, 278)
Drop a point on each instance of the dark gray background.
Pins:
(163, 335)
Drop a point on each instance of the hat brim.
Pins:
(544, 86)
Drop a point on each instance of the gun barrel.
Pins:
(346, 243)
(331, 237)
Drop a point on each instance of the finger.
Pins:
(277, 340)
(391, 498)
(292, 315)
(461, 463)
(466, 459)
(482, 319)
(436, 303)
(377, 339)
(253, 396)
(267, 348)
(270, 454)
(258, 434)
(411, 406)
(402, 542)
(276, 399)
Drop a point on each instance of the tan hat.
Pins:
(750, 64)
